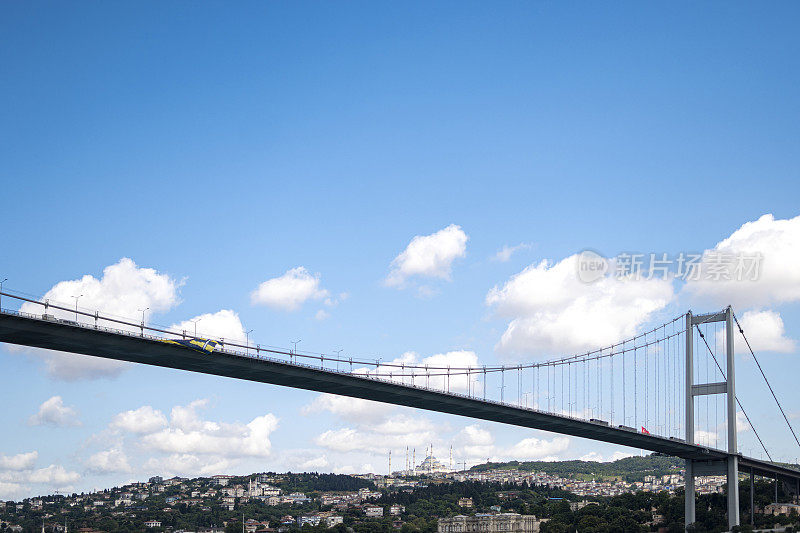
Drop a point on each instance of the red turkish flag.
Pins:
(645, 431)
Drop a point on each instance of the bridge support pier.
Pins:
(690, 493)
(776, 489)
(752, 498)
(728, 467)
(733, 491)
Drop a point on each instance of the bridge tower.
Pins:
(730, 466)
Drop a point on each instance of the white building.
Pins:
(373, 511)
(309, 519)
(334, 520)
(490, 523)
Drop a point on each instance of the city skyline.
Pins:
(414, 183)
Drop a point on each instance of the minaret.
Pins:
(451, 457)
(390, 462)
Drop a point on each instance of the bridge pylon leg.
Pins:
(728, 387)
(752, 498)
(688, 514)
(733, 491)
(689, 489)
(733, 448)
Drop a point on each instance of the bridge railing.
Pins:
(583, 384)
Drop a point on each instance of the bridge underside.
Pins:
(51, 335)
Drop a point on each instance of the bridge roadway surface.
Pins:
(67, 336)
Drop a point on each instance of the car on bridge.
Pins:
(200, 345)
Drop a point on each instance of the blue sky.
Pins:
(225, 147)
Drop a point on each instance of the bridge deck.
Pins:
(85, 339)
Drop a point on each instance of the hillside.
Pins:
(629, 468)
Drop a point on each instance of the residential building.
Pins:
(373, 511)
(465, 502)
(251, 526)
(781, 508)
(396, 509)
(222, 480)
(296, 497)
(152, 523)
(308, 519)
(576, 506)
(490, 523)
(333, 520)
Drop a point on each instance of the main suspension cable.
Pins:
(737, 398)
(765, 378)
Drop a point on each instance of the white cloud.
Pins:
(64, 366)
(395, 433)
(53, 475)
(343, 440)
(429, 256)
(404, 425)
(322, 314)
(435, 377)
(765, 331)
(189, 434)
(142, 420)
(778, 281)
(187, 464)
(19, 462)
(123, 289)
(477, 444)
(553, 312)
(616, 456)
(506, 252)
(354, 409)
(350, 440)
(289, 291)
(53, 412)
(108, 461)
(315, 463)
(741, 423)
(17, 473)
(475, 434)
(706, 438)
(595, 456)
(224, 324)
(12, 491)
(591, 456)
(533, 448)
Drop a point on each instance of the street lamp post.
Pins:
(247, 341)
(1, 290)
(338, 356)
(295, 348)
(195, 321)
(76, 306)
(143, 312)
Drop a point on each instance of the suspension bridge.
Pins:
(671, 389)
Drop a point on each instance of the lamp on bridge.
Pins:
(143, 312)
(76, 306)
